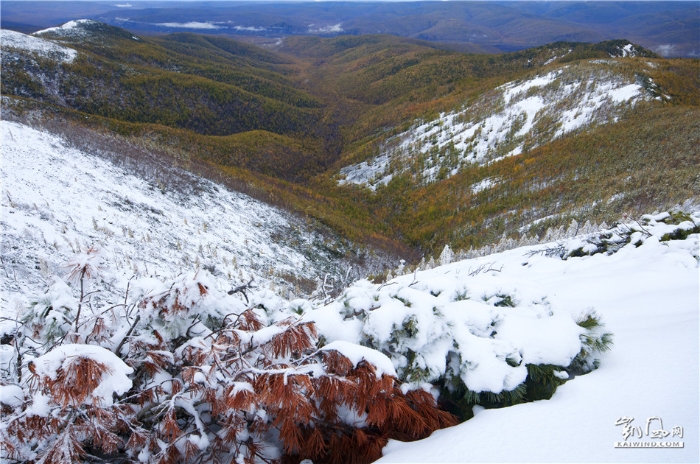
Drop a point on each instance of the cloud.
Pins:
(326, 29)
(665, 50)
(249, 28)
(190, 25)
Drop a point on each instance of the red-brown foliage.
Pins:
(240, 391)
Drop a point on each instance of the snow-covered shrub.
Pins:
(186, 372)
(51, 315)
(67, 412)
(594, 340)
(662, 226)
(460, 332)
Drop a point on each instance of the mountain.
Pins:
(446, 175)
(211, 86)
(300, 126)
(669, 28)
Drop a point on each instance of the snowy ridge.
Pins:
(70, 28)
(85, 30)
(513, 118)
(58, 201)
(42, 47)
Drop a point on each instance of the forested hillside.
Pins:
(669, 28)
(289, 125)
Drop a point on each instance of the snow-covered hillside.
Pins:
(70, 28)
(501, 329)
(81, 31)
(58, 201)
(506, 121)
(647, 295)
(36, 45)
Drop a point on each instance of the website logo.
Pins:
(650, 435)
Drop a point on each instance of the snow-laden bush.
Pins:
(479, 339)
(662, 227)
(475, 348)
(482, 337)
(184, 372)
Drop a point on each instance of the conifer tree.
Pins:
(187, 373)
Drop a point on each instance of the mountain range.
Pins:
(466, 147)
(668, 28)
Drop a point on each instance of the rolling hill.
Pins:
(669, 28)
(457, 148)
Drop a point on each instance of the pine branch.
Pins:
(242, 289)
(128, 334)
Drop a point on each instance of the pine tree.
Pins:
(447, 256)
(188, 373)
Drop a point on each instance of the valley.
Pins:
(290, 128)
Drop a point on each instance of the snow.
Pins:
(42, 47)
(648, 298)
(656, 217)
(627, 50)
(448, 312)
(366, 172)
(69, 28)
(498, 124)
(625, 93)
(538, 336)
(40, 405)
(58, 201)
(114, 380)
(554, 58)
(11, 395)
(512, 89)
(358, 353)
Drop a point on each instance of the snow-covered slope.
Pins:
(506, 121)
(42, 47)
(83, 31)
(57, 200)
(648, 296)
(484, 322)
(70, 28)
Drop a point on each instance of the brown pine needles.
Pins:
(241, 391)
